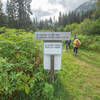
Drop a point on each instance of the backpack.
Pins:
(78, 43)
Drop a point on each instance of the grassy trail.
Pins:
(80, 76)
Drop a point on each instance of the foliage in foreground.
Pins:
(21, 70)
(22, 76)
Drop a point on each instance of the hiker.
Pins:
(77, 43)
(67, 43)
(75, 37)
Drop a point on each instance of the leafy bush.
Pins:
(70, 28)
(48, 91)
(88, 27)
(96, 97)
(90, 42)
(60, 29)
(21, 69)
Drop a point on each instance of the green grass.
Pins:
(90, 57)
(79, 78)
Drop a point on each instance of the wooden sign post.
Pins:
(52, 68)
(52, 49)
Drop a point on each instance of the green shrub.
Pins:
(48, 92)
(88, 27)
(96, 97)
(21, 68)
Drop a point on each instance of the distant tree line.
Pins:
(73, 17)
(17, 15)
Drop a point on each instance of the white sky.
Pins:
(49, 8)
(44, 9)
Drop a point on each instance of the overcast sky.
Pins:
(49, 8)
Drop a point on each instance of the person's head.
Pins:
(79, 38)
(74, 37)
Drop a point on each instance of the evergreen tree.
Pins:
(19, 12)
(11, 10)
(97, 12)
(60, 19)
(24, 12)
(2, 16)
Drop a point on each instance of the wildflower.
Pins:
(16, 53)
(25, 63)
(18, 68)
(37, 51)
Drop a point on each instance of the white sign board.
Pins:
(57, 62)
(52, 35)
(52, 48)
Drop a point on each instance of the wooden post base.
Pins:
(52, 69)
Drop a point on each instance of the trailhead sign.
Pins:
(52, 35)
(52, 48)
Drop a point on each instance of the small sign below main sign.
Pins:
(52, 48)
(52, 36)
(57, 62)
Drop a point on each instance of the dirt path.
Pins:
(90, 63)
(82, 74)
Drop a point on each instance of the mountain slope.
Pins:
(87, 6)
